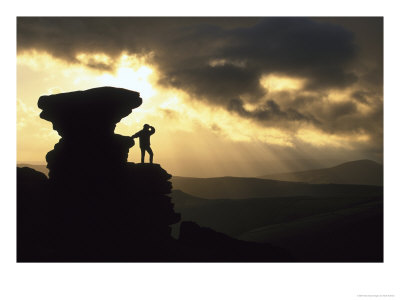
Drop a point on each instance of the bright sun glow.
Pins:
(275, 83)
(136, 80)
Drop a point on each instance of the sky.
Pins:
(228, 96)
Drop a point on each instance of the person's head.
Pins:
(146, 126)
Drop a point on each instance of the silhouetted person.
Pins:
(144, 140)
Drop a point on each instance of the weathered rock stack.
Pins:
(86, 121)
(102, 206)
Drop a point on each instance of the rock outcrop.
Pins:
(33, 211)
(111, 209)
(86, 120)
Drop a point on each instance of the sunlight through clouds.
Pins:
(321, 139)
(276, 83)
(136, 80)
(176, 114)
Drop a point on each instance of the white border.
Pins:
(197, 281)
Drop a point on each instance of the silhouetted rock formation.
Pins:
(86, 121)
(111, 210)
(91, 112)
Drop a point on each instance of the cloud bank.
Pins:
(222, 62)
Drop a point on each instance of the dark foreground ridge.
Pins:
(112, 210)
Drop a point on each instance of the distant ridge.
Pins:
(365, 172)
(247, 187)
(40, 168)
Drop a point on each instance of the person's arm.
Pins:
(152, 130)
(136, 135)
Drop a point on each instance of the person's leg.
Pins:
(150, 153)
(143, 151)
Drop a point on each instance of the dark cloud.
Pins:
(184, 49)
(344, 118)
(303, 101)
(296, 47)
(269, 111)
(215, 84)
(361, 96)
(215, 127)
(65, 37)
(170, 114)
(341, 109)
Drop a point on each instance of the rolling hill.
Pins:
(352, 234)
(338, 228)
(366, 172)
(245, 187)
(237, 216)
